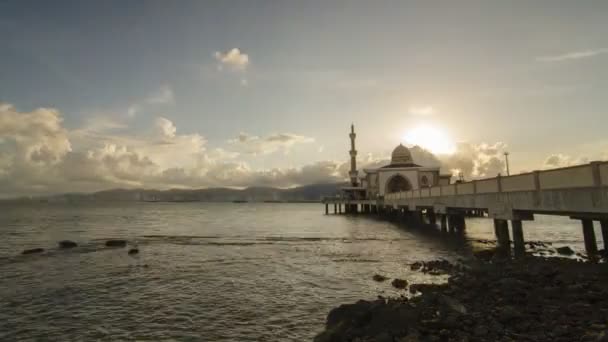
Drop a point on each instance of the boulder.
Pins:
(379, 278)
(416, 266)
(564, 250)
(133, 251)
(33, 251)
(399, 283)
(116, 243)
(67, 244)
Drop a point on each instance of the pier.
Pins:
(579, 192)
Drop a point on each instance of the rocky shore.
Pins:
(535, 299)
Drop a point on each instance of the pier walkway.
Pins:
(579, 192)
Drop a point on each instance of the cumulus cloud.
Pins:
(252, 144)
(573, 55)
(233, 59)
(558, 160)
(40, 156)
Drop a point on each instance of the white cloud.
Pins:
(166, 128)
(233, 59)
(573, 55)
(252, 144)
(558, 160)
(164, 95)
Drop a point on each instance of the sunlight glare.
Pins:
(431, 138)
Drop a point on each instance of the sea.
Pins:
(212, 271)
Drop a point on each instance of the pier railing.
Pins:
(594, 174)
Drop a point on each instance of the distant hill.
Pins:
(307, 193)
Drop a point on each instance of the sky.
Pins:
(191, 94)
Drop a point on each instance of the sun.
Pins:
(431, 138)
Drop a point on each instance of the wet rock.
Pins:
(133, 251)
(33, 251)
(535, 299)
(116, 243)
(67, 244)
(399, 283)
(485, 254)
(416, 266)
(564, 250)
(508, 314)
(379, 278)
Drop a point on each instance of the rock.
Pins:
(564, 250)
(379, 278)
(508, 314)
(485, 254)
(67, 244)
(399, 283)
(480, 330)
(133, 251)
(33, 251)
(116, 243)
(416, 266)
(450, 304)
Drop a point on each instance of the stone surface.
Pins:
(534, 299)
(33, 251)
(67, 244)
(399, 283)
(116, 243)
(564, 250)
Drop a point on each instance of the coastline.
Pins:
(489, 299)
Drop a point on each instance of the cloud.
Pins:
(558, 160)
(422, 111)
(233, 59)
(166, 128)
(162, 96)
(573, 55)
(40, 156)
(252, 144)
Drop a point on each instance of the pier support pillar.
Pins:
(519, 247)
(604, 224)
(451, 223)
(339, 208)
(501, 229)
(444, 223)
(589, 235)
(326, 208)
(335, 208)
(432, 217)
(462, 224)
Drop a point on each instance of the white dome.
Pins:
(401, 155)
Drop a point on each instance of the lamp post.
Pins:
(507, 162)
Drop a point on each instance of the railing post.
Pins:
(596, 197)
(536, 188)
(595, 171)
(499, 182)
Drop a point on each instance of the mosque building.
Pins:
(402, 174)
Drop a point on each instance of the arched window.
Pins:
(397, 183)
(424, 181)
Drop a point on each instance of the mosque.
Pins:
(402, 174)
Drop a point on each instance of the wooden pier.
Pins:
(579, 192)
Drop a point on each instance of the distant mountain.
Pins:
(307, 193)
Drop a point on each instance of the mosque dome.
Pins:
(401, 155)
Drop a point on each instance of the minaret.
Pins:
(353, 158)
